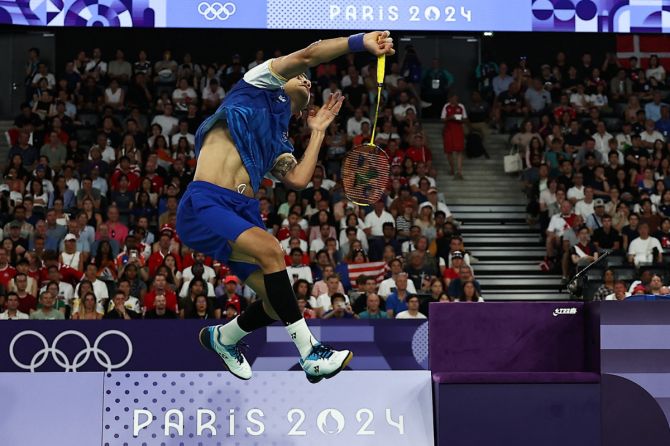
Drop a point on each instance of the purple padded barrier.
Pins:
(525, 342)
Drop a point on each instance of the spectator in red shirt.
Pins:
(117, 230)
(7, 271)
(69, 275)
(164, 243)
(151, 173)
(160, 288)
(452, 273)
(27, 302)
(125, 168)
(418, 152)
(230, 298)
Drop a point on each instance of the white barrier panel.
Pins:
(282, 408)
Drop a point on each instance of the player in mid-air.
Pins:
(236, 147)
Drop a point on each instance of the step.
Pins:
(519, 281)
(488, 208)
(523, 296)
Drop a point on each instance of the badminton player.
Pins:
(236, 147)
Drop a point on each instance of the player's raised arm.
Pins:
(376, 43)
(296, 175)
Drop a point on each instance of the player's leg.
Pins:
(317, 360)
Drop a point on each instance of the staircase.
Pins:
(492, 210)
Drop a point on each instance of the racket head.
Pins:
(365, 174)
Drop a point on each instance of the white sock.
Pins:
(230, 333)
(301, 337)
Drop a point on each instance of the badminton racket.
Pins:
(366, 168)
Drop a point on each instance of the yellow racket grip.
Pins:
(381, 69)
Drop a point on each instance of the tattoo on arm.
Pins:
(284, 165)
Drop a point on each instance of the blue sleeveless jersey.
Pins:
(258, 120)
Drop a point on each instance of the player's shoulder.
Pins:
(263, 76)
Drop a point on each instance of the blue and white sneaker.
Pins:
(231, 355)
(324, 362)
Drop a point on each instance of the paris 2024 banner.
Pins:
(617, 16)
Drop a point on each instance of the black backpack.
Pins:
(474, 147)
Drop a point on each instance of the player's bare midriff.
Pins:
(219, 162)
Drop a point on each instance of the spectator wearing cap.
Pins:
(164, 247)
(229, 296)
(455, 288)
(70, 256)
(457, 259)
(595, 219)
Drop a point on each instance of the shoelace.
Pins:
(236, 351)
(322, 351)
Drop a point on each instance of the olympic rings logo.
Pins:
(216, 10)
(59, 356)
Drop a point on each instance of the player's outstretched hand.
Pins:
(319, 121)
(378, 43)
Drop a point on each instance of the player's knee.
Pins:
(272, 259)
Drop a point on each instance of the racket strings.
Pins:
(365, 174)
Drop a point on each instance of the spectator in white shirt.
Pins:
(576, 192)
(585, 206)
(602, 139)
(167, 122)
(375, 220)
(183, 133)
(645, 249)
(43, 73)
(650, 134)
(212, 95)
(297, 270)
(412, 311)
(322, 303)
(12, 312)
(354, 123)
(208, 275)
(620, 291)
(400, 110)
(184, 95)
(388, 285)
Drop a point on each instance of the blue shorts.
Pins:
(209, 217)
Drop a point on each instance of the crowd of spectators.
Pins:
(102, 150)
(593, 139)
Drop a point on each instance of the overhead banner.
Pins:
(77, 346)
(620, 16)
(213, 409)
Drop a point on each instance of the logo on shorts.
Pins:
(216, 10)
(561, 311)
